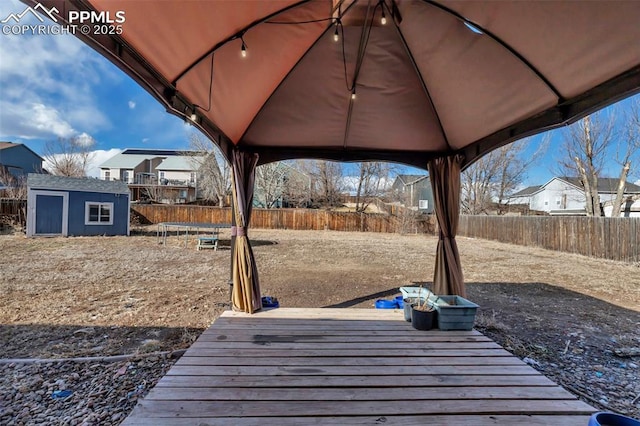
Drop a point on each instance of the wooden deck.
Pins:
(350, 366)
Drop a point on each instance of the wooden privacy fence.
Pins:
(603, 237)
(13, 211)
(299, 219)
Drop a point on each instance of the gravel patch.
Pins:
(76, 393)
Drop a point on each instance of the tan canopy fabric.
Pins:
(246, 285)
(437, 78)
(445, 183)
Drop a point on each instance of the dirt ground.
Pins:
(574, 318)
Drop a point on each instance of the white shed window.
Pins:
(423, 204)
(98, 213)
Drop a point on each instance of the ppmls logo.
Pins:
(78, 21)
(32, 10)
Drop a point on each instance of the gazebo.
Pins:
(433, 84)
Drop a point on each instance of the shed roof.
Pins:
(65, 183)
(181, 162)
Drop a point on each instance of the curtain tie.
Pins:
(238, 231)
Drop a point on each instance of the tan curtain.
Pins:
(444, 174)
(246, 286)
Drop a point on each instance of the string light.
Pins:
(194, 117)
(336, 36)
(383, 20)
(243, 49)
(353, 94)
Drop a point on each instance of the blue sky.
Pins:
(56, 86)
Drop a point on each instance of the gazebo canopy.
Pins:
(327, 79)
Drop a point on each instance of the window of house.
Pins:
(98, 213)
(107, 175)
(126, 176)
(192, 177)
(423, 204)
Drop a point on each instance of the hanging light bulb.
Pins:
(336, 35)
(383, 20)
(243, 50)
(194, 117)
(353, 94)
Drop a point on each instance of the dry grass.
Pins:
(114, 285)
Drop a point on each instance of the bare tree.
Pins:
(70, 156)
(269, 184)
(372, 181)
(488, 181)
(15, 186)
(627, 152)
(298, 184)
(154, 193)
(214, 173)
(586, 145)
(328, 177)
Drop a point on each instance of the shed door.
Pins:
(49, 214)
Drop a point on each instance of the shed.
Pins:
(69, 206)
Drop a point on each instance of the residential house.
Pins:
(168, 176)
(565, 195)
(19, 160)
(16, 162)
(70, 206)
(415, 191)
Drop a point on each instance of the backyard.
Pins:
(574, 318)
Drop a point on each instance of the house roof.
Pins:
(39, 181)
(158, 152)
(182, 162)
(125, 161)
(605, 185)
(530, 190)
(7, 145)
(411, 179)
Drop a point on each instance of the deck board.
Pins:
(350, 366)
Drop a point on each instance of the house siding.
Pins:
(120, 213)
(558, 195)
(415, 191)
(19, 157)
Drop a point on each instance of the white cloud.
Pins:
(49, 84)
(132, 105)
(100, 156)
(47, 120)
(85, 140)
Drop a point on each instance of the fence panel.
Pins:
(604, 237)
(300, 219)
(13, 211)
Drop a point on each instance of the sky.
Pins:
(56, 86)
